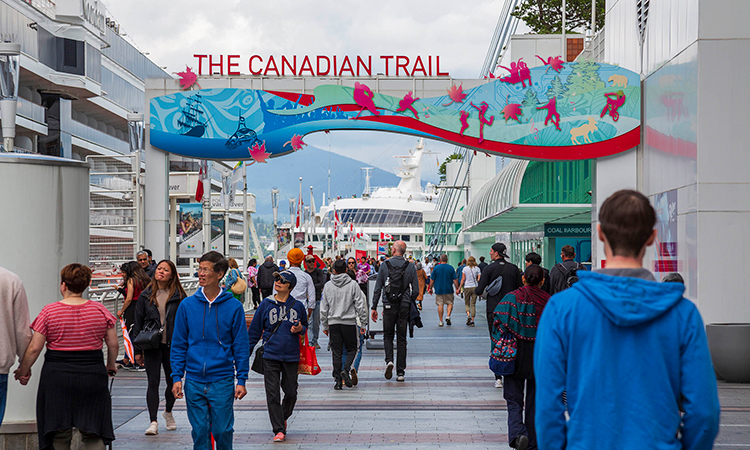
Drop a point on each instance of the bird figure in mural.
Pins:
(464, 121)
(258, 152)
(296, 142)
(363, 97)
(614, 101)
(456, 94)
(188, 78)
(552, 114)
(482, 119)
(554, 62)
(406, 103)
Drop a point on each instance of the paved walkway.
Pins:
(448, 401)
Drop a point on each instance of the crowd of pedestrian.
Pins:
(573, 349)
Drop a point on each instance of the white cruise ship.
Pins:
(396, 211)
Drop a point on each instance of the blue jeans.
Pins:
(3, 394)
(210, 411)
(315, 323)
(358, 358)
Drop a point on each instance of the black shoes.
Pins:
(338, 386)
(448, 321)
(389, 370)
(522, 442)
(345, 377)
(355, 379)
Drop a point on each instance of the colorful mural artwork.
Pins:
(589, 110)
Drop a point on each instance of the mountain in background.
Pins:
(311, 164)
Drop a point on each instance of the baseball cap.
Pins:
(500, 248)
(288, 277)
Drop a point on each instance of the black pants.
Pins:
(396, 319)
(490, 321)
(154, 360)
(256, 296)
(520, 418)
(342, 336)
(266, 292)
(280, 374)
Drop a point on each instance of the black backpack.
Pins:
(570, 275)
(396, 286)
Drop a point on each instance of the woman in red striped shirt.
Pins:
(73, 390)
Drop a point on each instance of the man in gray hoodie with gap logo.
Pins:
(343, 302)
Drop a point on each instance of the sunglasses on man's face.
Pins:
(281, 280)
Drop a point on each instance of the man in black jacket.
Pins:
(319, 280)
(561, 272)
(536, 258)
(511, 281)
(396, 312)
(265, 276)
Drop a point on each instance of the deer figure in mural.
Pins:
(584, 130)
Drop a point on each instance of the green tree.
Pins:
(530, 99)
(584, 78)
(545, 16)
(441, 169)
(557, 89)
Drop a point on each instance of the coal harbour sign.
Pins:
(570, 230)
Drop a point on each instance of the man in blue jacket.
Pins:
(629, 351)
(209, 350)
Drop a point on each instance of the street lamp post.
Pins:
(135, 135)
(10, 55)
(275, 206)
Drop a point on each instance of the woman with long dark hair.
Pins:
(134, 281)
(73, 391)
(157, 306)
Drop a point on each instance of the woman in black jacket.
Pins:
(158, 304)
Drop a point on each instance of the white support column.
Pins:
(157, 193)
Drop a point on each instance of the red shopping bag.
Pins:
(308, 361)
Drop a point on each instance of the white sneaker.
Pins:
(169, 418)
(498, 383)
(440, 324)
(400, 378)
(153, 429)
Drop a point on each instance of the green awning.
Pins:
(525, 216)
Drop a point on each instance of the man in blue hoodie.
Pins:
(209, 350)
(629, 351)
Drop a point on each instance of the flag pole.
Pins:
(206, 208)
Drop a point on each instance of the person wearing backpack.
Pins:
(564, 274)
(397, 281)
(498, 278)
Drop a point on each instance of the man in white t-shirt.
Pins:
(427, 272)
(469, 281)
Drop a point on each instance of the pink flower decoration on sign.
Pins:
(456, 94)
(188, 78)
(296, 142)
(258, 152)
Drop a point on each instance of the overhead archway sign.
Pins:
(559, 111)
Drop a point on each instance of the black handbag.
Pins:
(257, 366)
(150, 336)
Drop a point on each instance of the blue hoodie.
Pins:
(209, 342)
(284, 345)
(628, 351)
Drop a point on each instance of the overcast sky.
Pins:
(460, 32)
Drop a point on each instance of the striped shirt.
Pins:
(74, 327)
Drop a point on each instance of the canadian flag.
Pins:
(299, 211)
(385, 237)
(336, 225)
(202, 177)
